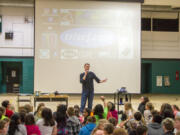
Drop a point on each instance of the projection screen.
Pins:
(70, 33)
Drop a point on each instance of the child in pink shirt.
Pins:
(30, 125)
(112, 112)
(175, 109)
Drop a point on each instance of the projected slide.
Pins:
(71, 33)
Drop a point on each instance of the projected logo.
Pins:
(46, 11)
(49, 40)
(88, 37)
(66, 17)
(44, 54)
(69, 54)
(55, 11)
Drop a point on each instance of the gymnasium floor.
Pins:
(156, 99)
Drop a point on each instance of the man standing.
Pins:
(86, 78)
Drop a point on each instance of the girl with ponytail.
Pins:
(15, 126)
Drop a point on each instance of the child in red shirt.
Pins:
(7, 105)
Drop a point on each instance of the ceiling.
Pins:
(146, 2)
(171, 3)
(18, 1)
(147, 5)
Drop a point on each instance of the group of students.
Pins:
(102, 120)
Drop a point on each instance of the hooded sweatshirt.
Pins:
(87, 129)
(115, 114)
(32, 129)
(73, 125)
(155, 129)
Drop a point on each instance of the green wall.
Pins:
(146, 78)
(149, 70)
(160, 68)
(27, 84)
(1, 89)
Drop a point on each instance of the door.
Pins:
(146, 79)
(12, 80)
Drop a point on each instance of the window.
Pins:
(146, 24)
(169, 25)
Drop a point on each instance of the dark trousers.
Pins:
(86, 95)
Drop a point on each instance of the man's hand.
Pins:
(105, 80)
(85, 74)
(104, 101)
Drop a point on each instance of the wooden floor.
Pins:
(156, 99)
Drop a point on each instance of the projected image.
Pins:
(100, 31)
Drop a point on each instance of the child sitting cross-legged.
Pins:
(30, 125)
(86, 114)
(112, 112)
(72, 123)
(90, 125)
